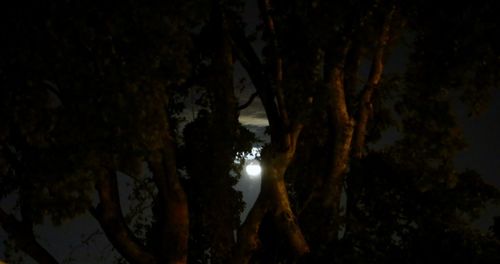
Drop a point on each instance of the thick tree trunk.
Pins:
(273, 199)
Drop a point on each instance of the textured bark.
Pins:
(344, 128)
(22, 234)
(110, 217)
(283, 214)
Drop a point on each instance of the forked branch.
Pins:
(109, 215)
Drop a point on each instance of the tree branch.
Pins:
(341, 150)
(265, 9)
(373, 82)
(343, 129)
(109, 215)
(252, 64)
(22, 234)
(248, 234)
(353, 61)
(249, 102)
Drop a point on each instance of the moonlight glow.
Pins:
(253, 170)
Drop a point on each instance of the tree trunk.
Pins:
(344, 128)
(273, 199)
(222, 204)
(174, 215)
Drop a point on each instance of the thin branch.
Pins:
(249, 102)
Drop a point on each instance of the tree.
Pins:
(102, 91)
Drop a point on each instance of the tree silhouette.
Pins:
(93, 90)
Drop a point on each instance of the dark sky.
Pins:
(482, 134)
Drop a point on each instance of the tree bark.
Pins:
(344, 129)
(174, 213)
(109, 215)
(365, 104)
(273, 199)
(284, 216)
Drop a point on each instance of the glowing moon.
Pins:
(253, 170)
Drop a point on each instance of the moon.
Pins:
(253, 170)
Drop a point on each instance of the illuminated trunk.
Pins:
(283, 215)
(273, 199)
(343, 132)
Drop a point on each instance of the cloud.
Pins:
(251, 120)
(254, 115)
